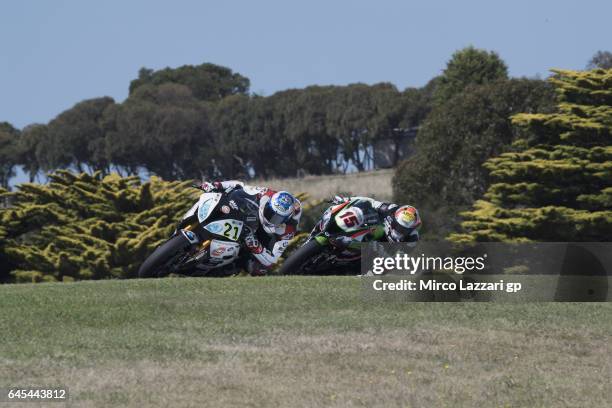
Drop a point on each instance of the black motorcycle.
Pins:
(208, 239)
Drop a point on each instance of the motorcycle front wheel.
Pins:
(294, 264)
(156, 265)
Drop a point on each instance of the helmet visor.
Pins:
(273, 217)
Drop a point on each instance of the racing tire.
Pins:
(152, 266)
(296, 261)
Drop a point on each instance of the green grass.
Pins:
(297, 341)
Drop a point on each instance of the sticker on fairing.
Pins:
(223, 249)
(229, 228)
(208, 202)
(191, 236)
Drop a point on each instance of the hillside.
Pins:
(296, 341)
(372, 184)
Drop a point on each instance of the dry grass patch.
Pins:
(434, 366)
(371, 184)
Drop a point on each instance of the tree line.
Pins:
(201, 122)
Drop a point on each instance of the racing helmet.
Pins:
(276, 210)
(404, 221)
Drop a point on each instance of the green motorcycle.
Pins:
(334, 245)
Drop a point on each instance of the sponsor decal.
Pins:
(225, 209)
(223, 250)
(215, 227)
(218, 252)
(191, 237)
(233, 204)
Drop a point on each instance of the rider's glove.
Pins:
(339, 200)
(211, 187)
(253, 244)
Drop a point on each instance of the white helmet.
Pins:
(404, 222)
(276, 210)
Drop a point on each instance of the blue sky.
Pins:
(56, 53)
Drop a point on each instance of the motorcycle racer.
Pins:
(279, 214)
(401, 223)
(335, 244)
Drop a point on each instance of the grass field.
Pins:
(297, 342)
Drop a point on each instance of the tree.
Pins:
(557, 184)
(231, 132)
(469, 66)
(271, 151)
(411, 109)
(82, 226)
(415, 104)
(207, 82)
(317, 130)
(29, 148)
(76, 137)
(307, 119)
(601, 59)
(446, 174)
(458, 137)
(164, 129)
(8, 152)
